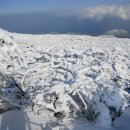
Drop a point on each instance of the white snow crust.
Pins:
(82, 78)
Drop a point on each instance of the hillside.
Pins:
(65, 82)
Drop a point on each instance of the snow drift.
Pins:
(71, 76)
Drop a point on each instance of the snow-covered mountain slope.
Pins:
(68, 77)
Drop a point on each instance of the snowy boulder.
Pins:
(11, 92)
(7, 43)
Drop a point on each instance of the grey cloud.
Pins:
(118, 33)
(100, 12)
(97, 13)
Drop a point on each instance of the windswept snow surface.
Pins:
(74, 82)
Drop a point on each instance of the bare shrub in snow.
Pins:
(11, 94)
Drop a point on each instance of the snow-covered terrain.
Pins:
(68, 82)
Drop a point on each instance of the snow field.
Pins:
(71, 76)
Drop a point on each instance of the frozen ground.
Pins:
(71, 82)
(21, 120)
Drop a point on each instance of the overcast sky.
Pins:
(92, 17)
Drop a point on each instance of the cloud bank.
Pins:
(96, 13)
(118, 33)
(101, 12)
